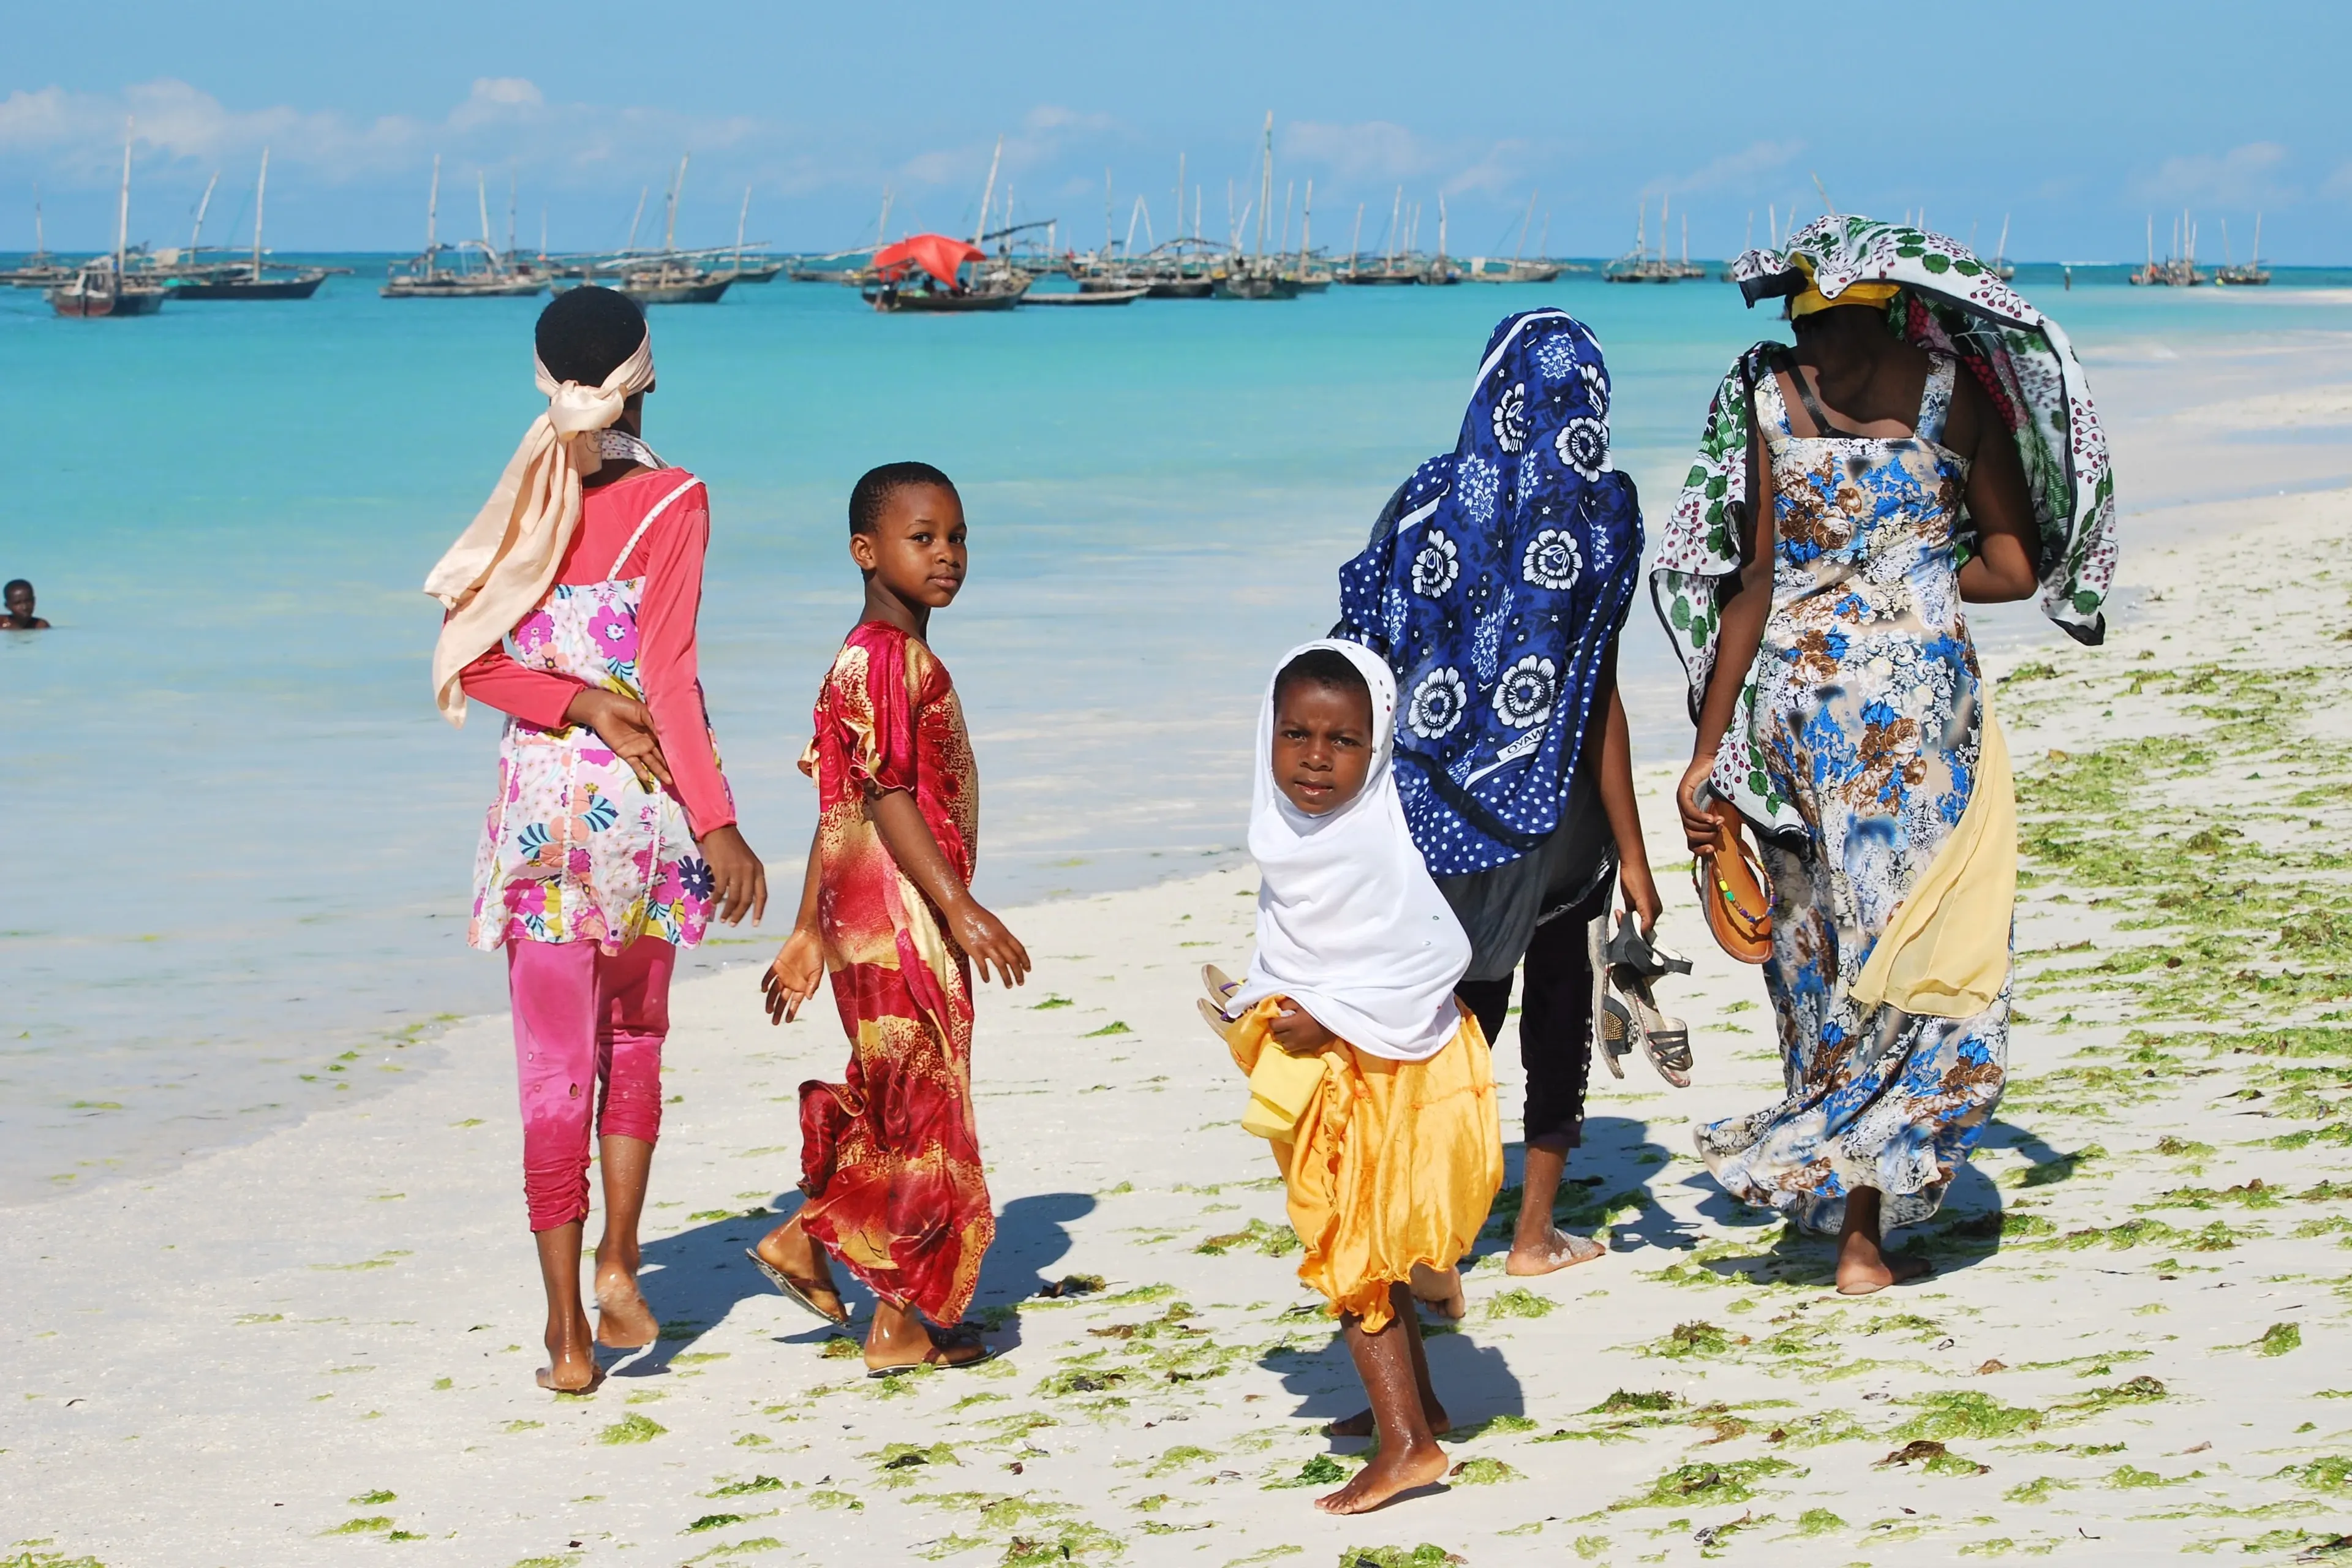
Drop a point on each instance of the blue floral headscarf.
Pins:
(1497, 595)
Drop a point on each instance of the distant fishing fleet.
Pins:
(1005, 264)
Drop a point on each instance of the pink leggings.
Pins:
(583, 1018)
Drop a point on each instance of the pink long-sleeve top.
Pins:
(669, 558)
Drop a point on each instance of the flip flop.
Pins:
(1612, 1023)
(936, 1357)
(1221, 988)
(1634, 961)
(797, 1290)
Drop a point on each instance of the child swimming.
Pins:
(23, 613)
(1391, 1148)
(572, 604)
(890, 1157)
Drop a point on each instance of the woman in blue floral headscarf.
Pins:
(1494, 585)
(1928, 441)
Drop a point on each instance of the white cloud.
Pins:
(2247, 176)
(1370, 150)
(1742, 170)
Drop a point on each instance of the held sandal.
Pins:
(795, 1289)
(1613, 1023)
(1221, 988)
(1633, 962)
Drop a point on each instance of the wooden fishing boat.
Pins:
(2250, 276)
(2178, 270)
(675, 284)
(103, 288)
(754, 272)
(99, 291)
(942, 260)
(474, 271)
(250, 280)
(1084, 296)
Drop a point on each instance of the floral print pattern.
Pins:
(1494, 585)
(1866, 718)
(1950, 304)
(575, 849)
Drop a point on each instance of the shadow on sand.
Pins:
(695, 1278)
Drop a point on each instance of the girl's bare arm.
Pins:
(799, 966)
(980, 933)
(2001, 570)
(1615, 753)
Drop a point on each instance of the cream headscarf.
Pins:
(501, 565)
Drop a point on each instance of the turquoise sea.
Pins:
(239, 839)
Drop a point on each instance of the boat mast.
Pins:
(510, 215)
(2255, 260)
(41, 242)
(741, 217)
(635, 218)
(482, 201)
(2001, 249)
(677, 183)
(196, 240)
(260, 190)
(1396, 213)
(1266, 184)
(1107, 213)
(1662, 228)
(1685, 242)
(1544, 244)
(1525, 218)
(1306, 219)
(1356, 240)
(988, 194)
(882, 223)
(1180, 195)
(122, 208)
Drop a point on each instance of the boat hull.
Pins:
(1258, 289)
(1088, 296)
(247, 289)
(1182, 288)
(96, 304)
(705, 292)
(521, 289)
(919, 302)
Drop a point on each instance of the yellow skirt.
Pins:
(1392, 1163)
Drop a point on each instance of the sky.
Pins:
(2077, 122)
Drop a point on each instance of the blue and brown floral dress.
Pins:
(1865, 715)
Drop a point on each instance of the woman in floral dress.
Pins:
(1927, 442)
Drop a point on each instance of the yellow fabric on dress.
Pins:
(1391, 1163)
(1946, 954)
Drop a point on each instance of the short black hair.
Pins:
(876, 487)
(1324, 667)
(587, 331)
(15, 583)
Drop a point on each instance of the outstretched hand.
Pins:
(793, 977)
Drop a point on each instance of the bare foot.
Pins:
(1552, 1251)
(1863, 1271)
(571, 1359)
(791, 1252)
(623, 1320)
(1440, 1290)
(1362, 1424)
(1388, 1474)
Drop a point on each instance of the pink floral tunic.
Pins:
(575, 849)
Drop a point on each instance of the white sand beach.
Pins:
(318, 1348)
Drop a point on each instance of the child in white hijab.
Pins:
(1372, 1084)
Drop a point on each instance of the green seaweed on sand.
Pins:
(2182, 1148)
(523, 1425)
(2332, 1474)
(712, 1522)
(374, 1525)
(1623, 1402)
(1482, 1472)
(2132, 1476)
(1274, 1240)
(1322, 1470)
(1822, 1428)
(1074, 1544)
(1492, 1424)
(1818, 1521)
(1177, 1457)
(1696, 1338)
(2142, 1390)
(1141, 1293)
(2277, 1339)
(372, 1498)
(2038, 1489)
(899, 1462)
(1965, 1412)
(1707, 1485)
(745, 1548)
(746, 1489)
(632, 1428)
(833, 1497)
(1425, 1555)
(1518, 1304)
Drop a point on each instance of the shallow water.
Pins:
(241, 838)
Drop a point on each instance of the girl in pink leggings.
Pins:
(571, 601)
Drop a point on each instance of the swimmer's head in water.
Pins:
(19, 597)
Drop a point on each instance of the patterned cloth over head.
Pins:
(1949, 303)
(1496, 596)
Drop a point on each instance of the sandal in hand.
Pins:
(1633, 962)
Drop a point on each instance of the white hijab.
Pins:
(500, 567)
(1349, 925)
